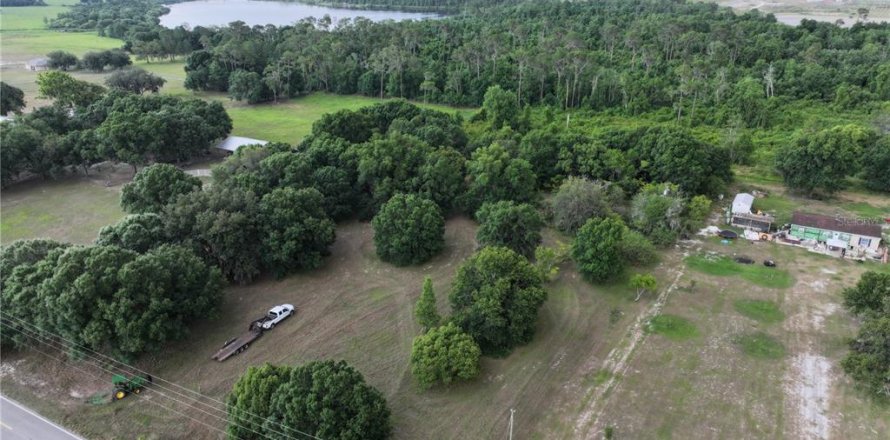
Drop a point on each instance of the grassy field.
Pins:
(764, 363)
(753, 273)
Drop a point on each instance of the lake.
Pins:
(222, 12)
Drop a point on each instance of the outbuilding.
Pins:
(37, 64)
(231, 144)
(741, 215)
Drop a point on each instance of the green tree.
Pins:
(697, 212)
(222, 226)
(25, 252)
(135, 80)
(870, 295)
(821, 161)
(155, 187)
(875, 163)
(596, 248)
(297, 232)
(869, 359)
(657, 211)
(137, 232)
(495, 175)
(425, 311)
(12, 99)
(247, 86)
(61, 60)
(442, 177)
(509, 224)
(392, 165)
(500, 106)
(548, 259)
(67, 91)
(408, 230)
(160, 294)
(495, 298)
(643, 283)
(325, 399)
(577, 200)
(443, 355)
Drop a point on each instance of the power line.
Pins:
(192, 406)
(132, 368)
(62, 360)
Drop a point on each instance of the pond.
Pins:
(252, 12)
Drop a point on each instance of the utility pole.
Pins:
(511, 422)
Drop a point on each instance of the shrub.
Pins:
(636, 249)
(577, 200)
(596, 248)
(443, 355)
(509, 224)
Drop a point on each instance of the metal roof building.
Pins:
(742, 203)
(233, 143)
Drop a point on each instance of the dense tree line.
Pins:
(408, 5)
(87, 124)
(702, 62)
(105, 297)
(22, 3)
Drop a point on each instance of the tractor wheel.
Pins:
(120, 394)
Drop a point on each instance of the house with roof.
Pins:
(841, 236)
(742, 215)
(37, 64)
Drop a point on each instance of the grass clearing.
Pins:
(672, 327)
(756, 274)
(71, 209)
(760, 345)
(766, 312)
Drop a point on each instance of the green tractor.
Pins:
(124, 385)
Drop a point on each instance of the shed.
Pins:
(233, 143)
(37, 64)
(742, 203)
(741, 215)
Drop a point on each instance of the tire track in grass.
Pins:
(588, 424)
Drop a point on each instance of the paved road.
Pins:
(20, 423)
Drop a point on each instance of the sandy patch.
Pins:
(809, 381)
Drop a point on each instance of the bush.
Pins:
(495, 299)
(408, 230)
(508, 224)
(869, 359)
(596, 248)
(637, 250)
(443, 355)
(577, 200)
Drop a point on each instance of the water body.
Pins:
(222, 12)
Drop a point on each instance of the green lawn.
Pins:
(290, 121)
(72, 210)
(31, 17)
(760, 345)
(754, 273)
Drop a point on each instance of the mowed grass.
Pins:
(754, 273)
(72, 210)
(290, 121)
(672, 327)
(766, 312)
(31, 17)
(760, 345)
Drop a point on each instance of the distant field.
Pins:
(289, 121)
(31, 17)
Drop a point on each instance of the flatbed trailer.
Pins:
(239, 344)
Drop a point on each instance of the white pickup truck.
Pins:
(275, 315)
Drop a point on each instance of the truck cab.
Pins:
(277, 314)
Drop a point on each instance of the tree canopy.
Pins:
(495, 299)
(509, 224)
(408, 230)
(444, 354)
(596, 248)
(156, 186)
(326, 399)
(12, 99)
